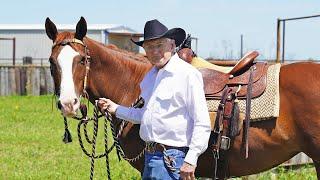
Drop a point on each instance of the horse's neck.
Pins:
(117, 77)
(114, 75)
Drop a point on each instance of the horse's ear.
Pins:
(81, 29)
(51, 29)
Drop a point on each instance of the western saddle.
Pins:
(246, 80)
(215, 82)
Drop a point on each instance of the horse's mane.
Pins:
(136, 56)
(121, 57)
(116, 51)
(141, 58)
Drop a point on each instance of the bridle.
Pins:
(86, 60)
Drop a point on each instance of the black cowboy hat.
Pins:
(154, 29)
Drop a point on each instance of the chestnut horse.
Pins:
(116, 75)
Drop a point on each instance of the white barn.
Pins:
(31, 40)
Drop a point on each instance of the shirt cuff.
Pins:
(121, 112)
(192, 157)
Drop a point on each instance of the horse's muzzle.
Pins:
(69, 107)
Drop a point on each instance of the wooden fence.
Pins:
(25, 80)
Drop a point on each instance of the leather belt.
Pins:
(154, 147)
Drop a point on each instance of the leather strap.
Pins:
(222, 125)
(248, 110)
(66, 41)
(218, 129)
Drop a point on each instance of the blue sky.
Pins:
(217, 24)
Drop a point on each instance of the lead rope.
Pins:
(169, 161)
(138, 103)
(106, 146)
(84, 120)
(93, 142)
(94, 138)
(108, 116)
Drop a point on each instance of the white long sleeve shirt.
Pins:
(175, 111)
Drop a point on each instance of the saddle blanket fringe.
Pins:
(267, 105)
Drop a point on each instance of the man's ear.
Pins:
(173, 43)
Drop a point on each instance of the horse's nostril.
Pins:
(75, 101)
(59, 105)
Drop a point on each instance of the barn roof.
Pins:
(110, 28)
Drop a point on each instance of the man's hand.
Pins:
(107, 104)
(187, 171)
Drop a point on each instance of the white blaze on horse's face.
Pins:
(68, 97)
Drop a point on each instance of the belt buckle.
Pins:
(225, 142)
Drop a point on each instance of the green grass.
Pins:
(31, 146)
(306, 172)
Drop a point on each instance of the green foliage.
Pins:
(31, 144)
(306, 172)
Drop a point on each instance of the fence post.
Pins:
(14, 51)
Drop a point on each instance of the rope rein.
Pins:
(107, 117)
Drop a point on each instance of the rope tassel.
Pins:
(67, 135)
(84, 110)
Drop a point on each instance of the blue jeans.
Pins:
(155, 167)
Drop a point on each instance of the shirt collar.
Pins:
(171, 66)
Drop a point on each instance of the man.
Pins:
(174, 119)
